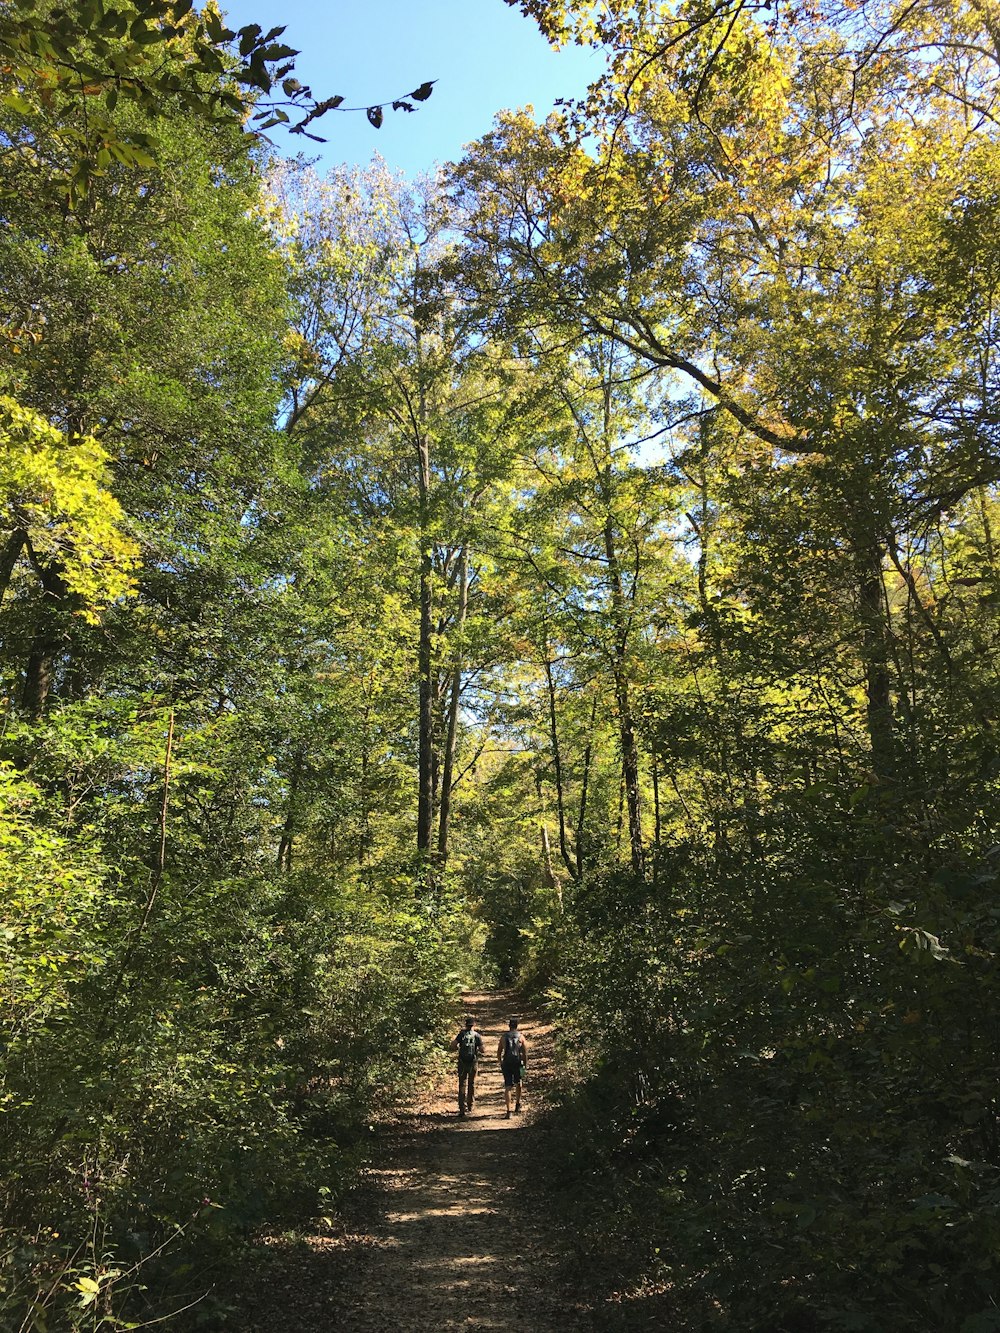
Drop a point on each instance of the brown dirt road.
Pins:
(450, 1228)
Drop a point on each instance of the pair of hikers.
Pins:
(512, 1052)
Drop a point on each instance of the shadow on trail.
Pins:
(449, 1229)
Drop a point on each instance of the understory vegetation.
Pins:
(577, 570)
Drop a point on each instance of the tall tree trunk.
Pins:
(448, 767)
(557, 767)
(425, 756)
(619, 817)
(48, 642)
(161, 847)
(657, 822)
(626, 724)
(875, 655)
(12, 548)
(984, 514)
(551, 878)
(581, 822)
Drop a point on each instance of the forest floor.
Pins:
(449, 1229)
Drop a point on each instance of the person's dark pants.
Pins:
(466, 1087)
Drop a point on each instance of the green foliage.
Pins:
(54, 493)
(70, 68)
(582, 572)
(196, 1035)
(776, 1102)
(785, 1013)
(181, 1066)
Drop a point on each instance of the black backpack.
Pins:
(512, 1048)
(468, 1044)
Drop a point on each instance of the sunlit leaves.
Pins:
(75, 65)
(54, 490)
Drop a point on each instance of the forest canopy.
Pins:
(577, 569)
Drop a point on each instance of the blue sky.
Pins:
(484, 55)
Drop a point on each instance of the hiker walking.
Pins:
(469, 1045)
(512, 1052)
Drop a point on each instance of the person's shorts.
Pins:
(511, 1075)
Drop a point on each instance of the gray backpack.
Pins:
(513, 1048)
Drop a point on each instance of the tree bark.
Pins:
(161, 850)
(425, 757)
(875, 655)
(557, 767)
(448, 766)
(48, 641)
(657, 822)
(581, 830)
(12, 549)
(626, 724)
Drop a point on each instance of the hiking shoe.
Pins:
(507, 1115)
(517, 1109)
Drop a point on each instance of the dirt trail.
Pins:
(450, 1229)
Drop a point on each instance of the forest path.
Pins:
(450, 1229)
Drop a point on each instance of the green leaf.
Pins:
(248, 38)
(278, 52)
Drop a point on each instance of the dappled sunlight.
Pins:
(457, 1209)
(445, 1215)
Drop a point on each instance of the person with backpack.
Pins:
(512, 1052)
(469, 1045)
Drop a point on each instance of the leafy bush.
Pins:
(791, 1114)
(174, 1077)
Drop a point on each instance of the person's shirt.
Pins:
(480, 1048)
(502, 1047)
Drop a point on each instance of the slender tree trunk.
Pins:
(425, 758)
(984, 514)
(49, 640)
(448, 767)
(12, 549)
(557, 767)
(875, 655)
(161, 849)
(620, 816)
(551, 881)
(630, 774)
(581, 827)
(626, 725)
(437, 742)
(657, 825)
